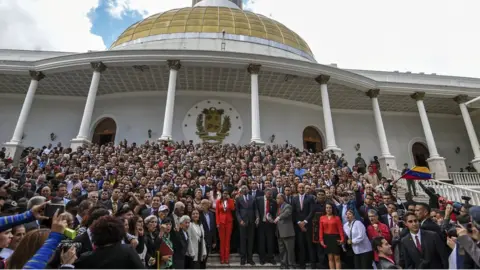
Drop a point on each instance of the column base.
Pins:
(257, 141)
(79, 142)
(437, 165)
(14, 151)
(336, 150)
(476, 164)
(387, 162)
(165, 138)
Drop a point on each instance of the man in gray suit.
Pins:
(285, 232)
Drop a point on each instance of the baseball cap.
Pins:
(163, 208)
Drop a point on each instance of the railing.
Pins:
(465, 178)
(451, 192)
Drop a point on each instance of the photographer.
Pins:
(471, 245)
(38, 246)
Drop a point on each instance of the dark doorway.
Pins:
(420, 154)
(312, 140)
(105, 132)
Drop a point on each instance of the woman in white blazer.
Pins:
(358, 240)
(197, 249)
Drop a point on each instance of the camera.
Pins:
(67, 244)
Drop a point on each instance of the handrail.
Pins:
(465, 178)
(451, 192)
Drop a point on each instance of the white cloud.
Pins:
(419, 36)
(428, 36)
(48, 25)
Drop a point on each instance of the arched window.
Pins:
(105, 131)
(420, 154)
(312, 140)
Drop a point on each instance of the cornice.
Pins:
(228, 59)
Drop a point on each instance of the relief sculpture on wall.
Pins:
(213, 121)
(210, 126)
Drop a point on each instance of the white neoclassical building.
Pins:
(215, 72)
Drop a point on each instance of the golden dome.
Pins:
(238, 24)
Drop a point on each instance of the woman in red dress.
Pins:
(224, 219)
(332, 236)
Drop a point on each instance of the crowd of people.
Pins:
(172, 205)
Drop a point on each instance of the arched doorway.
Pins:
(312, 140)
(420, 154)
(105, 131)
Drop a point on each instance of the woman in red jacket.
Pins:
(332, 236)
(224, 218)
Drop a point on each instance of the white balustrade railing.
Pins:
(451, 192)
(465, 178)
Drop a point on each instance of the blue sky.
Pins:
(109, 27)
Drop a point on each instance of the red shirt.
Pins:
(331, 226)
(385, 232)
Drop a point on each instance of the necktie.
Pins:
(114, 207)
(301, 202)
(268, 208)
(417, 242)
(391, 222)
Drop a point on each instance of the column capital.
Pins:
(254, 68)
(418, 95)
(373, 93)
(322, 79)
(98, 66)
(36, 75)
(461, 99)
(174, 64)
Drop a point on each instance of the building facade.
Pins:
(203, 74)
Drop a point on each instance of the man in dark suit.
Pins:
(114, 204)
(203, 186)
(288, 195)
(207, 218)
(245, 212)
(302, 212)
(387, 219)
(255, 192)
(266, 208)
(422, 249)
(422, 211)
(285, 232)
(384, 251)
(180, 242)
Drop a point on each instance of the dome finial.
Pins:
(218, 3)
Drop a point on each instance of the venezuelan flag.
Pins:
(417, 173)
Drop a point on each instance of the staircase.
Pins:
(214, 262)
(451, 192)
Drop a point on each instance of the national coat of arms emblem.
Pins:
(210, 127)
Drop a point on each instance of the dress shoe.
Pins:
(273, 262)
(242, 263)
(251, 262)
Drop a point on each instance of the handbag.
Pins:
(349, 249)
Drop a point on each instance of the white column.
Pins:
(254, 69)
(174, 66)
(14, 147)
(387, 161)
(27, 104)
(327, 114)
(435, 162)
(84, 130)
(472, 135)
